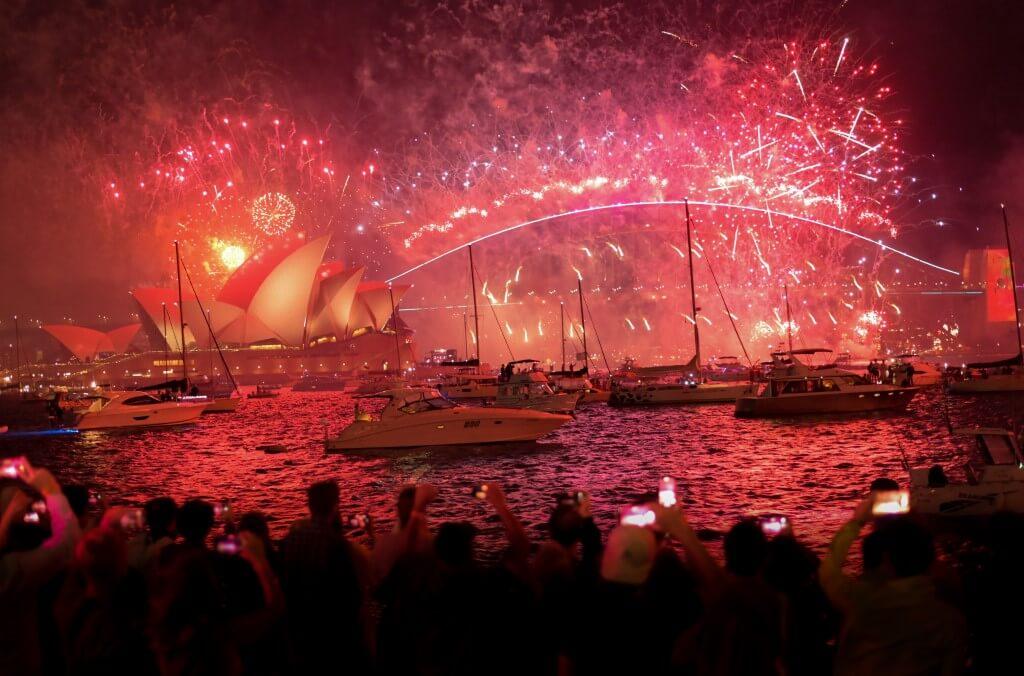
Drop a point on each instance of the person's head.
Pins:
(161, 514)
(255, 523)
(78, 498)
(454, 543)
(884, 484)
(629, 555)
(406, 501)
(789, 564)
(100, 556)
(746, 549)
(910, 548)
(195, 520)
(323, 498)
(565, 525)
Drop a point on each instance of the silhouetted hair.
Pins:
(195, 519)
(884, 484)
(454, 543)
(746, 548)
(323, 497)
(255, 523)
(78, 498)
(406, 501)
(161, 514)
(564, 525)
(910, 547)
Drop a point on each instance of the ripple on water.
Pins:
(812, 469)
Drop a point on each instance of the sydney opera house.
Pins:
(282, 314)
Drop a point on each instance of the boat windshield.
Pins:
(999, 449)
(421, 405)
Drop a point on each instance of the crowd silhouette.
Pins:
(191, 589)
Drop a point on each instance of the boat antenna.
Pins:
(167, 343)
(209, 326)
(394, 325)
(583, 325)
(17, 354)
(714, 277)
(789, 321)
(181, 315)
(465, 334)
(1013, 286)
(561, 327)
(693, 290)
(476, 316)
(593, 325)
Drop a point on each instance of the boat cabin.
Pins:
(400, 402)
(813, 384)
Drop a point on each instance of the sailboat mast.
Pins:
(583, 325)
(167, 343)
(476, 316)
(394, 325)
(561, 326)
(181, 314)
(1013, 282)
(693, 290)
(789, 322)
(17, 353)
(465, 335)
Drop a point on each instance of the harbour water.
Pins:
(811, 469)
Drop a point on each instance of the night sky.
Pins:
(91, 86)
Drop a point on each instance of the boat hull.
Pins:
(460, 426)
(170, 414)
(656, 395)
(465, 392)
(812, 403)
(995, 383)
(223, 405)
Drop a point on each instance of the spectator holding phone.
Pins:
(893, 621)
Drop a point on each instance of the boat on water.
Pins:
(319, 383)
(416, 417)
(795, 388)
(464, 386)
(529, 388)
(925, 373)
(374, 384)
(578, 381)
(726, 369)
(996, 483)
(676, 384)
(265, 392)
(134, 409)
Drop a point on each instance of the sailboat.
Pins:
(1005, 375)
(639, 386)
(471, 384)
(577, 380)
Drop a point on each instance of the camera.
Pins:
(222, 509)
(637, 515)
(358, 521)
(667, 491)
(574, 498)
(773, 525)
(14, 468)
(229, 544)
(480, 492)
(889, 503)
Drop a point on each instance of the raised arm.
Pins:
(838, 586)
(673, 521)
(518, 541)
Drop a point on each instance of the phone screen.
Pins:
(891, 502)
(637, 515)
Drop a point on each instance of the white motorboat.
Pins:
(213, 404)
(794, 388)
(573, 381)
(925, 374)
(265, 392)
(529, 388)
(726, 369)
(135, 410)
(469, 386)
(415, 417)
(1005, 376)
(994, 484)
(652, 386)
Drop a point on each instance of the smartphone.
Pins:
(133, 520)
(229, 544)
(358, 521)
(14, 468)
(480, 492)
(773, 525)
(667, 491)
(888, 503)
(222, 509)
(574, 498)
(35, 511)
(637, 515)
